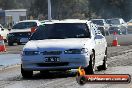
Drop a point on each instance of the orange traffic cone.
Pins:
(81, 72)
(115, 42)
(2, 44)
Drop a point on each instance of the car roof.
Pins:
(114, 19)
(97, 19)
(72, 21)
(37, 21)
(29, 21)
(67, 21)
(48, 21)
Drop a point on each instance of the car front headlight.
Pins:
(75, 51)
(28, 53)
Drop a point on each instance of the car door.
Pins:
(97, 43)
(100, 47)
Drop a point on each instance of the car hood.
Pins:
(56, 44)
(20, 30)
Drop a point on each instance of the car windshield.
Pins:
(113, 21)
(61, 31)
(98, 22)
(24, 25)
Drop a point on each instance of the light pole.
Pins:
(49, 10)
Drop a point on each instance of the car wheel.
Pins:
(104, 65)
(10, 43)
(91, 68)
(81, 80)
(26, 74)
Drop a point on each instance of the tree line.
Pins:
(67, 9)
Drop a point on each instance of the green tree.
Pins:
(8, 4)
(61, 9)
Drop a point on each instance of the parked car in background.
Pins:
(117, 22)
(64, 45)
(3, 32)
(21, 30)
(112, 30)
(122, 35)
(101, 23)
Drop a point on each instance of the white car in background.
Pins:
(64, 45)
(3, 32)
(21, 30)
(101, 23)
(117, 22)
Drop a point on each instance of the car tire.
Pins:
(81, 80)
(10, 43)
(26, 74)
(104, 65)
(91, 67)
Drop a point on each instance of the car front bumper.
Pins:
(37, 62)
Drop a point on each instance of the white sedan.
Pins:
(64, 45)
(3, 32)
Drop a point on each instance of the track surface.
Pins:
(119, 62)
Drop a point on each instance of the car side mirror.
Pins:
(24, 40)
(9, 29)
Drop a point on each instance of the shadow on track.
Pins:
(52, 75)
